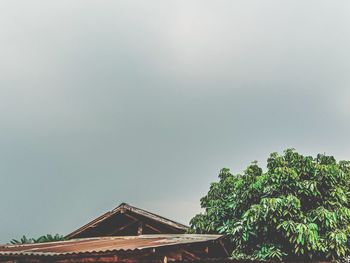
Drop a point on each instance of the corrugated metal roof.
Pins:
(103, 244)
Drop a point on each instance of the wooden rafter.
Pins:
(123, 227)
(153, 228)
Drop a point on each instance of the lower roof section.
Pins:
(100, 245)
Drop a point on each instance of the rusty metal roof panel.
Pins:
(104, 244)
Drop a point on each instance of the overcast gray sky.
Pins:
(103, 102)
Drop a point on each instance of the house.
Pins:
(143, 248)
(126, 234)
(127, 220)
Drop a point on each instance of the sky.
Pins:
(103, 102)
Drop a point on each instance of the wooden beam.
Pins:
(224, 247)
(123, 227)
(130, 216)
(189, 256)
(153, 228)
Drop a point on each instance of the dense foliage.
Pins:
(298, 209)
(41, 239)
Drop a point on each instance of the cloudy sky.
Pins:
(103, 102)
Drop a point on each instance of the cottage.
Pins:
(125, 234)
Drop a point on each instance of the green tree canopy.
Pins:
(298, 209)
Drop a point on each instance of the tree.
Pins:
(41, 239)
(298, 209)
(23, 240)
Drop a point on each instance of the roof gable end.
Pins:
(128, 220)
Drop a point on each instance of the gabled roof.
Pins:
(136, 215)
